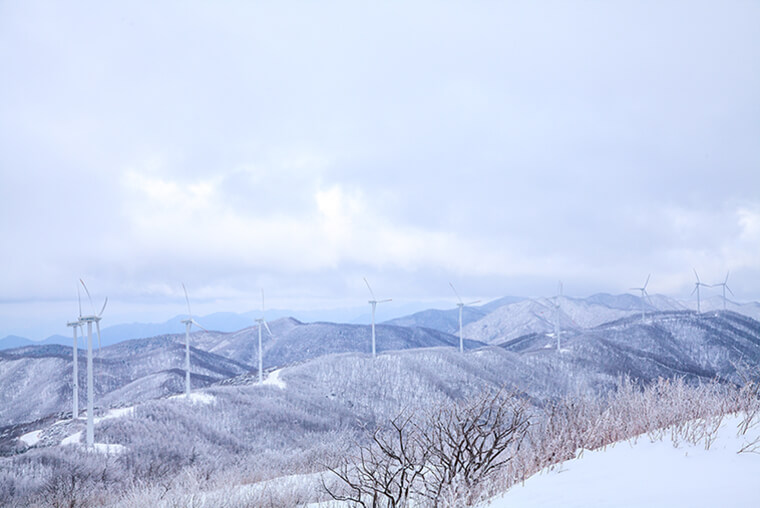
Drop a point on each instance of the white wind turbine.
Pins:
(94, 318)
(189, 322)
(261, 321)
(374, 303)
(644, 295)
(725, 286)
(75, 357)
(696, 289)
(461, 306)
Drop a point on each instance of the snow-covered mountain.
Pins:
(37, 381)
(142, 369)
(442, 320)
(665, 344)
(538, 315)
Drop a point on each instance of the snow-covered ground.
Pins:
(196, 397)
(640, 473)
(31, 438)
(72, 439)
(273, 379)
(114, 413)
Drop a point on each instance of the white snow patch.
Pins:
(645, 473)
(31, 438)
(115, 413)
(108, 448)
(196, 397)
(72, 439)
(273, 379)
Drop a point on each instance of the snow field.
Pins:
(641, 472)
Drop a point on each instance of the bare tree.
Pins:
(470, 441)
(384, 472)
(445, 454)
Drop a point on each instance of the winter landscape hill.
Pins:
(323, 389)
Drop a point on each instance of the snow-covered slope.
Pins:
(442, 320)
(643, 472)
(666, 344)
(538, 316)
(292, 341)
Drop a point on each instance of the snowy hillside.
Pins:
(648, 472)
(293, 341)
(36, 381)
(538, 316)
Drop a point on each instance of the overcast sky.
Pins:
(298, 146)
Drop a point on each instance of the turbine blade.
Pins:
(647, 281)
(726, 281)
(79, 299)
(473, 303)
(262, 301)
(695, 289)
(561, 288)
(386, 300)
(87, 291)
(104, 307)
(268, 330)
(370, 288)
(695, 274)
(455, 292)
(729, 290)
(187, 299)
(193, 321)
(97, 327)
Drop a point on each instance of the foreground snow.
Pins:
(653, 474)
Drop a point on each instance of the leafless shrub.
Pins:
(469, 442)
(436, 460)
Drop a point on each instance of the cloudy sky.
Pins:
(298, 146)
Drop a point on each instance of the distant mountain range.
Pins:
(496, 316)
(602, 336)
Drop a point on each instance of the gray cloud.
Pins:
(302, 146)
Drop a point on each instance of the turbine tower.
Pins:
(557, 330)
(461, 306)
(696, 289)
(374, 303)
(94, 318)
(644, 295)
(725, 286)
(261, 321)
(75, 356)
(189, 322)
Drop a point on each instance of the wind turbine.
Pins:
(696, 289)
(374, 303)
(74, 325)
(644, 295)
(725, 286)
(261, 321)
(461, 306)
(189, 322)
(94, 318)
